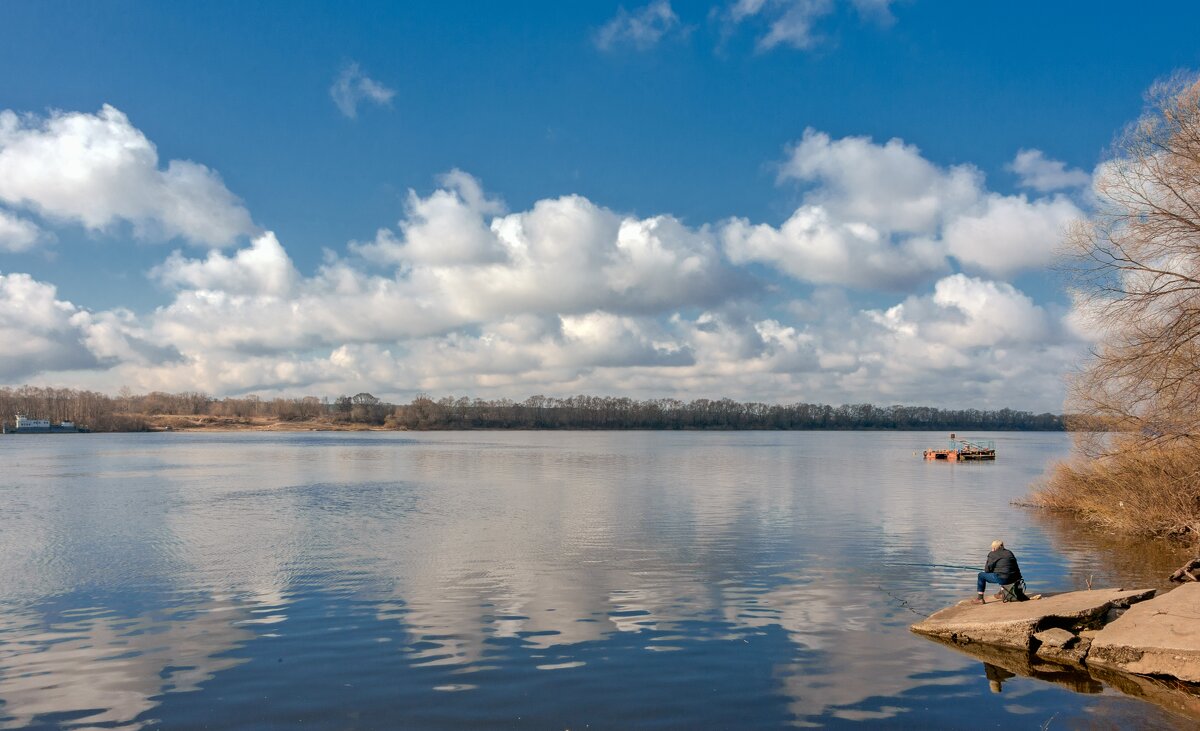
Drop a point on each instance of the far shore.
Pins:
(181, 423)
(250, 423)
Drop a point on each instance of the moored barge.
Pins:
(964, 450)
(25, 425)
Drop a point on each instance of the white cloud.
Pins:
(565, 296)
(17, 234)
(562, 258)
(263, 268)
(642, 29)
(789, 22)
(882, 216)
(968, 312)
(972, 341)
(793, 22)
(1035, 170)
(870, 216)
(353, 87)
(968, 341)
(36, 329)
(98, 169)
(812, 246)
(42, 333)
(891, 186)
(1010, 233)
(447, 228)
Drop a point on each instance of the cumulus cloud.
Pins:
(1010, 233)
(449, 227)
(453, 264)
(812, 245)
(42, 333)
(970, 341)
(966, 341)
(37, 330)
(563, 296)
(1035, 170)
(890, 185)
(568, 296)
(968, 312)
(882, 216)
(641, 29)
(17, 234)
(352, 87)
(98, 169)
(263, 268)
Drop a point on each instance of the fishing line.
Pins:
(931, 565)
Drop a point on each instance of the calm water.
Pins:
(521, 580)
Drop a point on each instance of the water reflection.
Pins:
(1104, 559)
(535, 576)
(1001, 665)
(996, 676)
(91, 666)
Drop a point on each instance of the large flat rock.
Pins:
(1179, 698)
(1014, 624)
(1156, 637)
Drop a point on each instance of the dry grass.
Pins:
(1139, 490)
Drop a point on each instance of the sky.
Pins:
(770, 200)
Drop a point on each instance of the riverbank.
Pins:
(250, 423)
(135, 422)
(1140, 489)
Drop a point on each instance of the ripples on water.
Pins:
(521, 580)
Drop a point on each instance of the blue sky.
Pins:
(692, 111)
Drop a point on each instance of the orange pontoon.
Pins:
(964, 450)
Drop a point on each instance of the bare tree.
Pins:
(1136, 267)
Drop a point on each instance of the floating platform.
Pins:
(964, 450)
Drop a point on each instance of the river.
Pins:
(524, 580)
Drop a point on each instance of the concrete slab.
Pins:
(1072, 654)
(1156, 637)
(1055, 637)
(1014, 624)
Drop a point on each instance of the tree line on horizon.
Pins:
(139, 412)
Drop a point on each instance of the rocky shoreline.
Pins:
(1140, 641)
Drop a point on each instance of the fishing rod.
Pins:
(933, 565)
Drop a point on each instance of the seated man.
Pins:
(1001, 568)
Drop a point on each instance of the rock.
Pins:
(1055, 637)
(1157, 637)
(1074, 654)
(1062, 647)
(1014, 624)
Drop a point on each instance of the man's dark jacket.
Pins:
(1003, 563)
